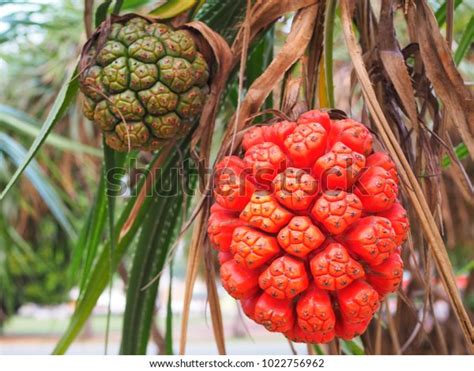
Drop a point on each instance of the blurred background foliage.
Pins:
(42, 217)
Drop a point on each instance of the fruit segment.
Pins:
(358, 302)
(348, 331)
(265, 161)
(337, 210)
(339, 168)
(238, 281)
(353, 134)
(306, 144)
(384, 161)
(232, 187)
(251, 248)
(372, 239)
(376, 189)
(399, 219)
(315, 315)
(300, 237)
(276, 315)
(221, 225)
(295, 188)
(264, 212)
(278, 132)
(334, 269)
(248, 305)
(224, 256)
(275, 133)
(386, 277)
(285, 278)
(315, 116)
(297, 335)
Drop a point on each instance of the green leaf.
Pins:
(158, 234)
(99, 275)
(223, 16)
(23, 124)
(134, 4)
(318, 350)
(111, 160)
(118, 5)
(173, 8)
(101, 12)
(352, 347)
(169, 315)
(89, 238)
(17, 154)
(61, 104)
(150, 256)
(461, 153)
(85, 250)
(466, 42)
(441, 12)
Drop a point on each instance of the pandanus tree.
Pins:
(332, 192)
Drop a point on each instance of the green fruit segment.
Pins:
(144, 83)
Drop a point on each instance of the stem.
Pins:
(328, 49)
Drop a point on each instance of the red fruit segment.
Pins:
(399, 219)
(253, 136)
(265, 160)
(315, 315)
(372, 239)
(339, 168)
(275, 133)
(248, 305)
(232, 187)
(306, 144)
(386, 277)
(334, 269)
(238, 281)
(279, 131)
(264, 212)
(300, 237)
(295, 188)
(348, 331)
(376, 189)
(276, 315)
(337, 210)
(285, 278)
(358, 302)
(384, 161)
(221, 225)
(353, 134)
(252, 248)
(297, 335)
(224, 256)
(315, 116)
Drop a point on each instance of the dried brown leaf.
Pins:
(146, 189)
(441, 70)
(193, 260)
(394, 63)
(293, 49)
(88, 17)
(214, 302)
(222, 64)
(411, 185)
(263, 14)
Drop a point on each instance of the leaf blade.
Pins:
(61, 104)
